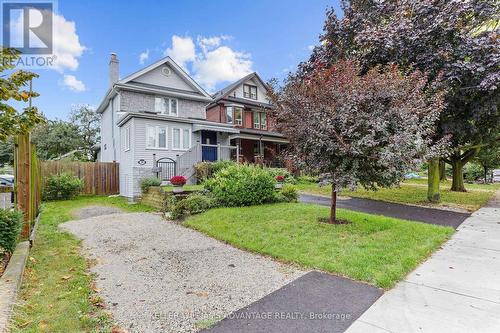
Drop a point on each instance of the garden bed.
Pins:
(375, 249)
(4, 260)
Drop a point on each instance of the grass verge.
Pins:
(57, 293)
(415, 193)
(375, 249)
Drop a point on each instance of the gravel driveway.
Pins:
(157, 276)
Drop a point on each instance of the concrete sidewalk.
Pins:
(456, 290)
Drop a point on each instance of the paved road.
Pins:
(456, 290)
(315, 302)
(421, 214)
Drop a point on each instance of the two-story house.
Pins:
(245, 105)
(154, 123)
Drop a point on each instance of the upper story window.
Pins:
(249, 91)
(167, 106)
(234, 115)
(156, 137)
(260, 120)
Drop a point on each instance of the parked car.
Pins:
(496, 176)
(6, 180)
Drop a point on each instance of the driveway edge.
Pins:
(11, 281)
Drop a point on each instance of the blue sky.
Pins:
(216, 41)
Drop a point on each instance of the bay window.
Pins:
(234, 115)
(181, 138)
(156, 137)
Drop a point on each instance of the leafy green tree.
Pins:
(55, 138)
(454, 42)
(489, 158)
(7, 152)
(88, 121)
(15, 86)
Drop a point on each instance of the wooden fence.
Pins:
(97, 177)
(27, 181)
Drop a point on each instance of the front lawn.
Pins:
(376, 249)
(57, 293)
(414, 192)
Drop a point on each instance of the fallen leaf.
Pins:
(66, 277)
(23, 325)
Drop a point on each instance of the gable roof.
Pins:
(126, 83)
(178, 69)
(224, 92)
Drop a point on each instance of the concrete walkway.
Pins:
(400, 211)
(456, 290)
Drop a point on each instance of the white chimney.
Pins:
(114, 71)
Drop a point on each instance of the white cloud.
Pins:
(67, 48)
(143, 57)
(182, 50)
(73, 83)
(221, 64)
(211, 61)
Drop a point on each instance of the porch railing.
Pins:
(187, 161)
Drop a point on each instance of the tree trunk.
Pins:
(457, 184)
(333, 207)
(485, 174)
(433, 180)
(442, 170)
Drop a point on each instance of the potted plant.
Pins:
(279, 181)
(178, 183)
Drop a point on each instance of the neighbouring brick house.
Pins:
(246, 106)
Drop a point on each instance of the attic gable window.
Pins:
(168, 106)
(249, 91)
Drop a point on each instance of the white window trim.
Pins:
(157, 141)
(238, 122)
(181, 139)
(127, 139)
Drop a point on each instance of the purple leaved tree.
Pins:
(366, 130)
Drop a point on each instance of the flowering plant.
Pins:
(280, 178)
(178, 180)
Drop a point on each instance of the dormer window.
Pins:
(249, 91)
(168, 106)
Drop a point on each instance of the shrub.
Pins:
(290, 193)
(178, 180)
(241, 185)
(206, 170)
(146, 183)
(192, 204)
(62, 187)
(473, 171)
(288, 177)
(308, 179)
(10, 226)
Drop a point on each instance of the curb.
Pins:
(11, 281)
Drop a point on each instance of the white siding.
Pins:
(157, 78)
(261, 91)
(126, 159)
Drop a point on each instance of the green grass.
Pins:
(186, 187)
(415, 192)
(57, 293)
(375, 249)
(447, 184)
